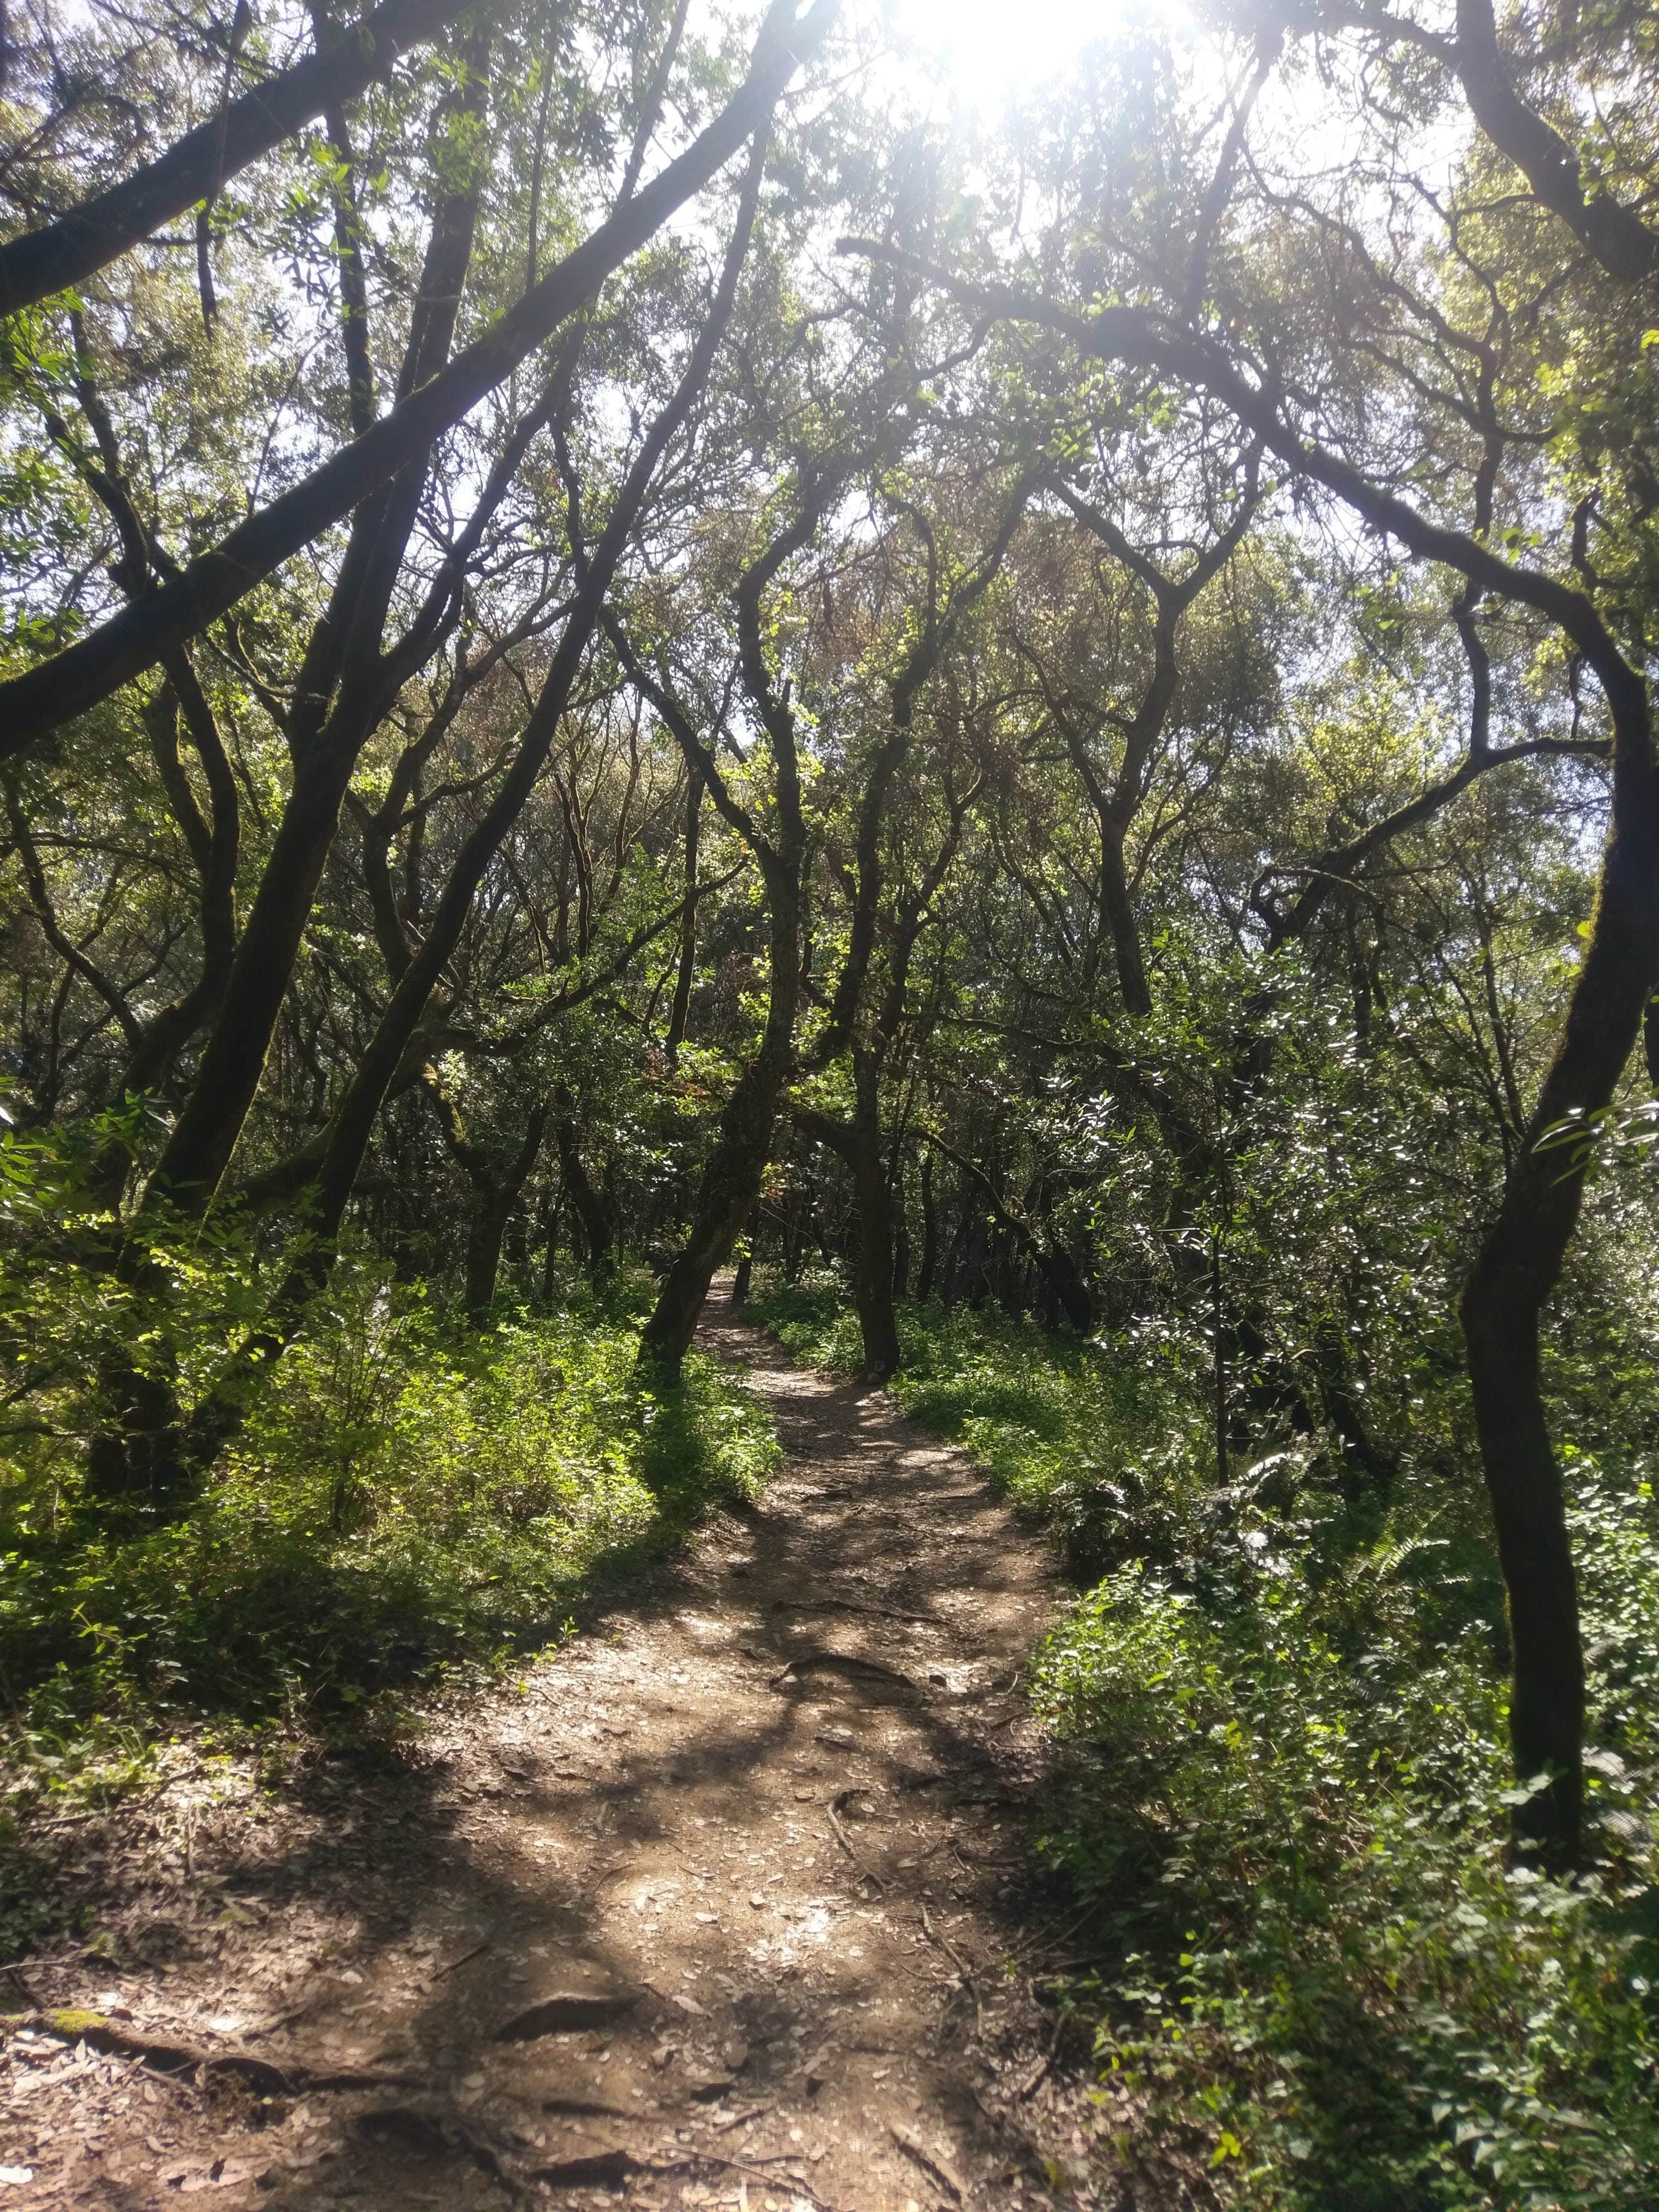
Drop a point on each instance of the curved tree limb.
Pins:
(1616, 238)
(44, 697)
(67, 251)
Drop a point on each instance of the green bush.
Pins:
(404, 1497)
(1283, 1792)
(1330, 1979)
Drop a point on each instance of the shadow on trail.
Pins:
(704, 1900)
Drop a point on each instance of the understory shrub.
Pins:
(406, 1496)
(1283, 1790)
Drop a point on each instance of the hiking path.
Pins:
(729, 1901)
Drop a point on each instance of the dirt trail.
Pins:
(714, 1909)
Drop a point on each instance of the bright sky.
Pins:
(995, 47)
(990, 48)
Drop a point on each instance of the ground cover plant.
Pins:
(1284, 1797)
(409, 1500)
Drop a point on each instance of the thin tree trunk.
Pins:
(872, 1279)
(900, 1226)
(858, 1143)
(680, 1010)
(497, 1195)
(731, 1179)
(744, 1274)
(588, 1203)
(552, 1200)
(795, 1235)
(929, 1266)
(1053, 1261)
(1219, 1358)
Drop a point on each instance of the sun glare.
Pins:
(985, 50)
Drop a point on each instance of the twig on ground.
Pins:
(691, 2156)
(172, 2061)
(737, 2119)
(833, 1810)
(936, 1936)
(1023, 2088)
(454, 1966)
(1042, 1941)
(929, 2161)
(848, 1605)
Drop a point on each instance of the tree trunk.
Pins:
(484, 1254)
(929, 1267)
(795, 1235)
(1219, 1357)
(900, 1226)
(497, 1195)
(365, 1094)
(587, 1202)
(681, 1008)
(1546, 1710)
(1514, 1275)
(1365, 1463)
(552, 1202)
(197, 1154)
(343, 690)
(731, 1179)
(138, 1459)
(872, 1279)
(1054, 1263)
(1130, 959)
(741, 1280)
(730, 1182)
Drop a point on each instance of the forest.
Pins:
(643, 652)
